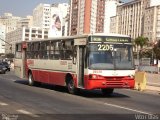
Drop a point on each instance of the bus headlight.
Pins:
(94, 76)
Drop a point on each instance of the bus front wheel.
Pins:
(71, 87)
(107, 91)
(30, 79)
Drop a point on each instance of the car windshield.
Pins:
(115, 56)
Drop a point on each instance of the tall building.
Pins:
(9, 21)
(152, 23)
(58, 22)
(91, 16)
(136, 18)
(51, 17)
(9, 24)
(42, 16)
(131, 18)
(114, 24)
(110, 10)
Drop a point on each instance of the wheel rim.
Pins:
(30, 79)
(70, 86)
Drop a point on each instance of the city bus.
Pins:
(91, 61)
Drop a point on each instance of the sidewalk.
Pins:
(153, 82)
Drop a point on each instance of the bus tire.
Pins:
(30, 79)
(71, 87)
(107, 91)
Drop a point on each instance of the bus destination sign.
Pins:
(110, 39)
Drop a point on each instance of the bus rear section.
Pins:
(20, 59)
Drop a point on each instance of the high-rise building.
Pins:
(110, 10)
(130, 18)
(9, 21)
(91, 16)
(58, 22)
(42, 16)
(152, 23)
(51, 17)
(137, 18)
(9, 24)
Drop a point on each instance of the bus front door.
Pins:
(80, 65)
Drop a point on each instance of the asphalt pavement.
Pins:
(17, 99)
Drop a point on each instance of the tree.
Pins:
(9, 55)
(141, 42)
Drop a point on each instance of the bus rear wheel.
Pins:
(107, 91)
(30, 79)
(71, 87)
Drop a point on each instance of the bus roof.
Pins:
(87, 35)
(78, 36)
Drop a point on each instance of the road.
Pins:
(20, 101)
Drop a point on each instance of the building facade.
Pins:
(152, 23)
(25, 22)
(91, 16)
(58, 20)
(9, 25)
(42, 16)
(110, 10)
(24, 34)
(9, 21)
(136, 18)
(131, 18)
(51, 17)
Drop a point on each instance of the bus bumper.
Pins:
(98, 84)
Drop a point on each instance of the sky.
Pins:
(23, 8)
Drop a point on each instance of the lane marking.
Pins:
(27, 113)
(113, 105)
(126, 108)
(3, 104)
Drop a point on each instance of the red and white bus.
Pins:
(93, 61)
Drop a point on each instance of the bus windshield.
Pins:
(110, 56)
